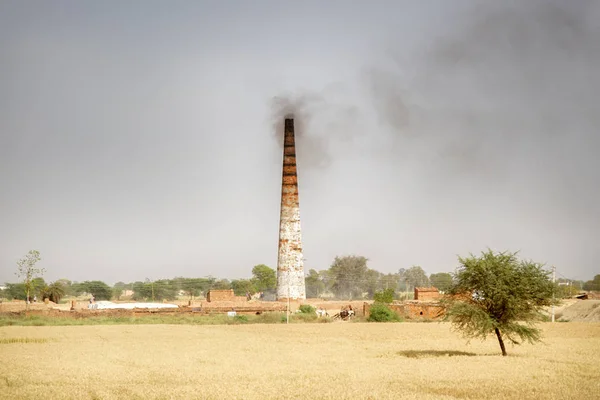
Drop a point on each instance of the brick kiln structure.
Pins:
(427, 294)
(290, 267)
(413, 310)
(223, 295)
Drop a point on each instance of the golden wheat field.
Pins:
(297, 361)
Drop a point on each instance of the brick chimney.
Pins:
(290, 265)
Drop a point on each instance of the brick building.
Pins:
(427, 293)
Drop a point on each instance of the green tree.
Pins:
(221, 284)
(389, 281)
(27, 271)
(328, 279)
(117, 290)
(314, 284)
(441, 280)
(264, 278)
(142, 291)
(77, 289)
(241, 287)
(67, 286)
(371, 282)
(416, 277)
(99, 289)
(498, 293)
(385, 296)
(53, 292)
(165, 289)
(593, 284)
(16, 291)
(193, 287)
(348, 273)
(37, 285)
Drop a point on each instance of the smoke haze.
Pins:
(143, 139)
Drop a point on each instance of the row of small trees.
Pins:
(495, 293)
(348, 277)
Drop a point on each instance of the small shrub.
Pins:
(270, 318)
(385, 296)
(240, 319)
(382, 313)
(307, 309)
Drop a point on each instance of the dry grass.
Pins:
(299, 361)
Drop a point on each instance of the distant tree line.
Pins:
(348, 277)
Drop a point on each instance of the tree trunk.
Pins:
(500, 341)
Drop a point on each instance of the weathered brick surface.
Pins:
(413, 310)
(427, 293)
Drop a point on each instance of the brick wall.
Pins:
(426, 294)
(413, 310)
(220, 295)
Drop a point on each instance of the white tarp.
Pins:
(108, 305)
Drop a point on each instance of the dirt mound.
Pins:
(581, 311)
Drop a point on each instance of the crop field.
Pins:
(298, 361)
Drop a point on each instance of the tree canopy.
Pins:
(415, 277)
(498, 293)
(441, 280)
(264, 278)
(594, 284)
(27, 271)
(348, 273)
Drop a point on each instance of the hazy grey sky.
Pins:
(137, 137)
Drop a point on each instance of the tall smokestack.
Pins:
(290, 267)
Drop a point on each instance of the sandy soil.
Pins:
(580, 311)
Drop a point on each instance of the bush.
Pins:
(240, 318)
(385, 296)
(307, 309)
(381, 313)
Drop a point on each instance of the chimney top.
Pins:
(289, 124)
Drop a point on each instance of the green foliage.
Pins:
(37, 285)
(498, 293)
(53, 292)
(348, 273)
(67, 286)
(593, 285)
(379, 312)
(27, 271)
(566, 291)
(442, 281)
(159, 290)
(117, 290)
(415, 277)
(221, 284)
(16, 291)
(241, 287)
(264, 278)
(99, 289)
(241, 319)
(314, 284)
(307, 309)
(385, 296)
(194, 287)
